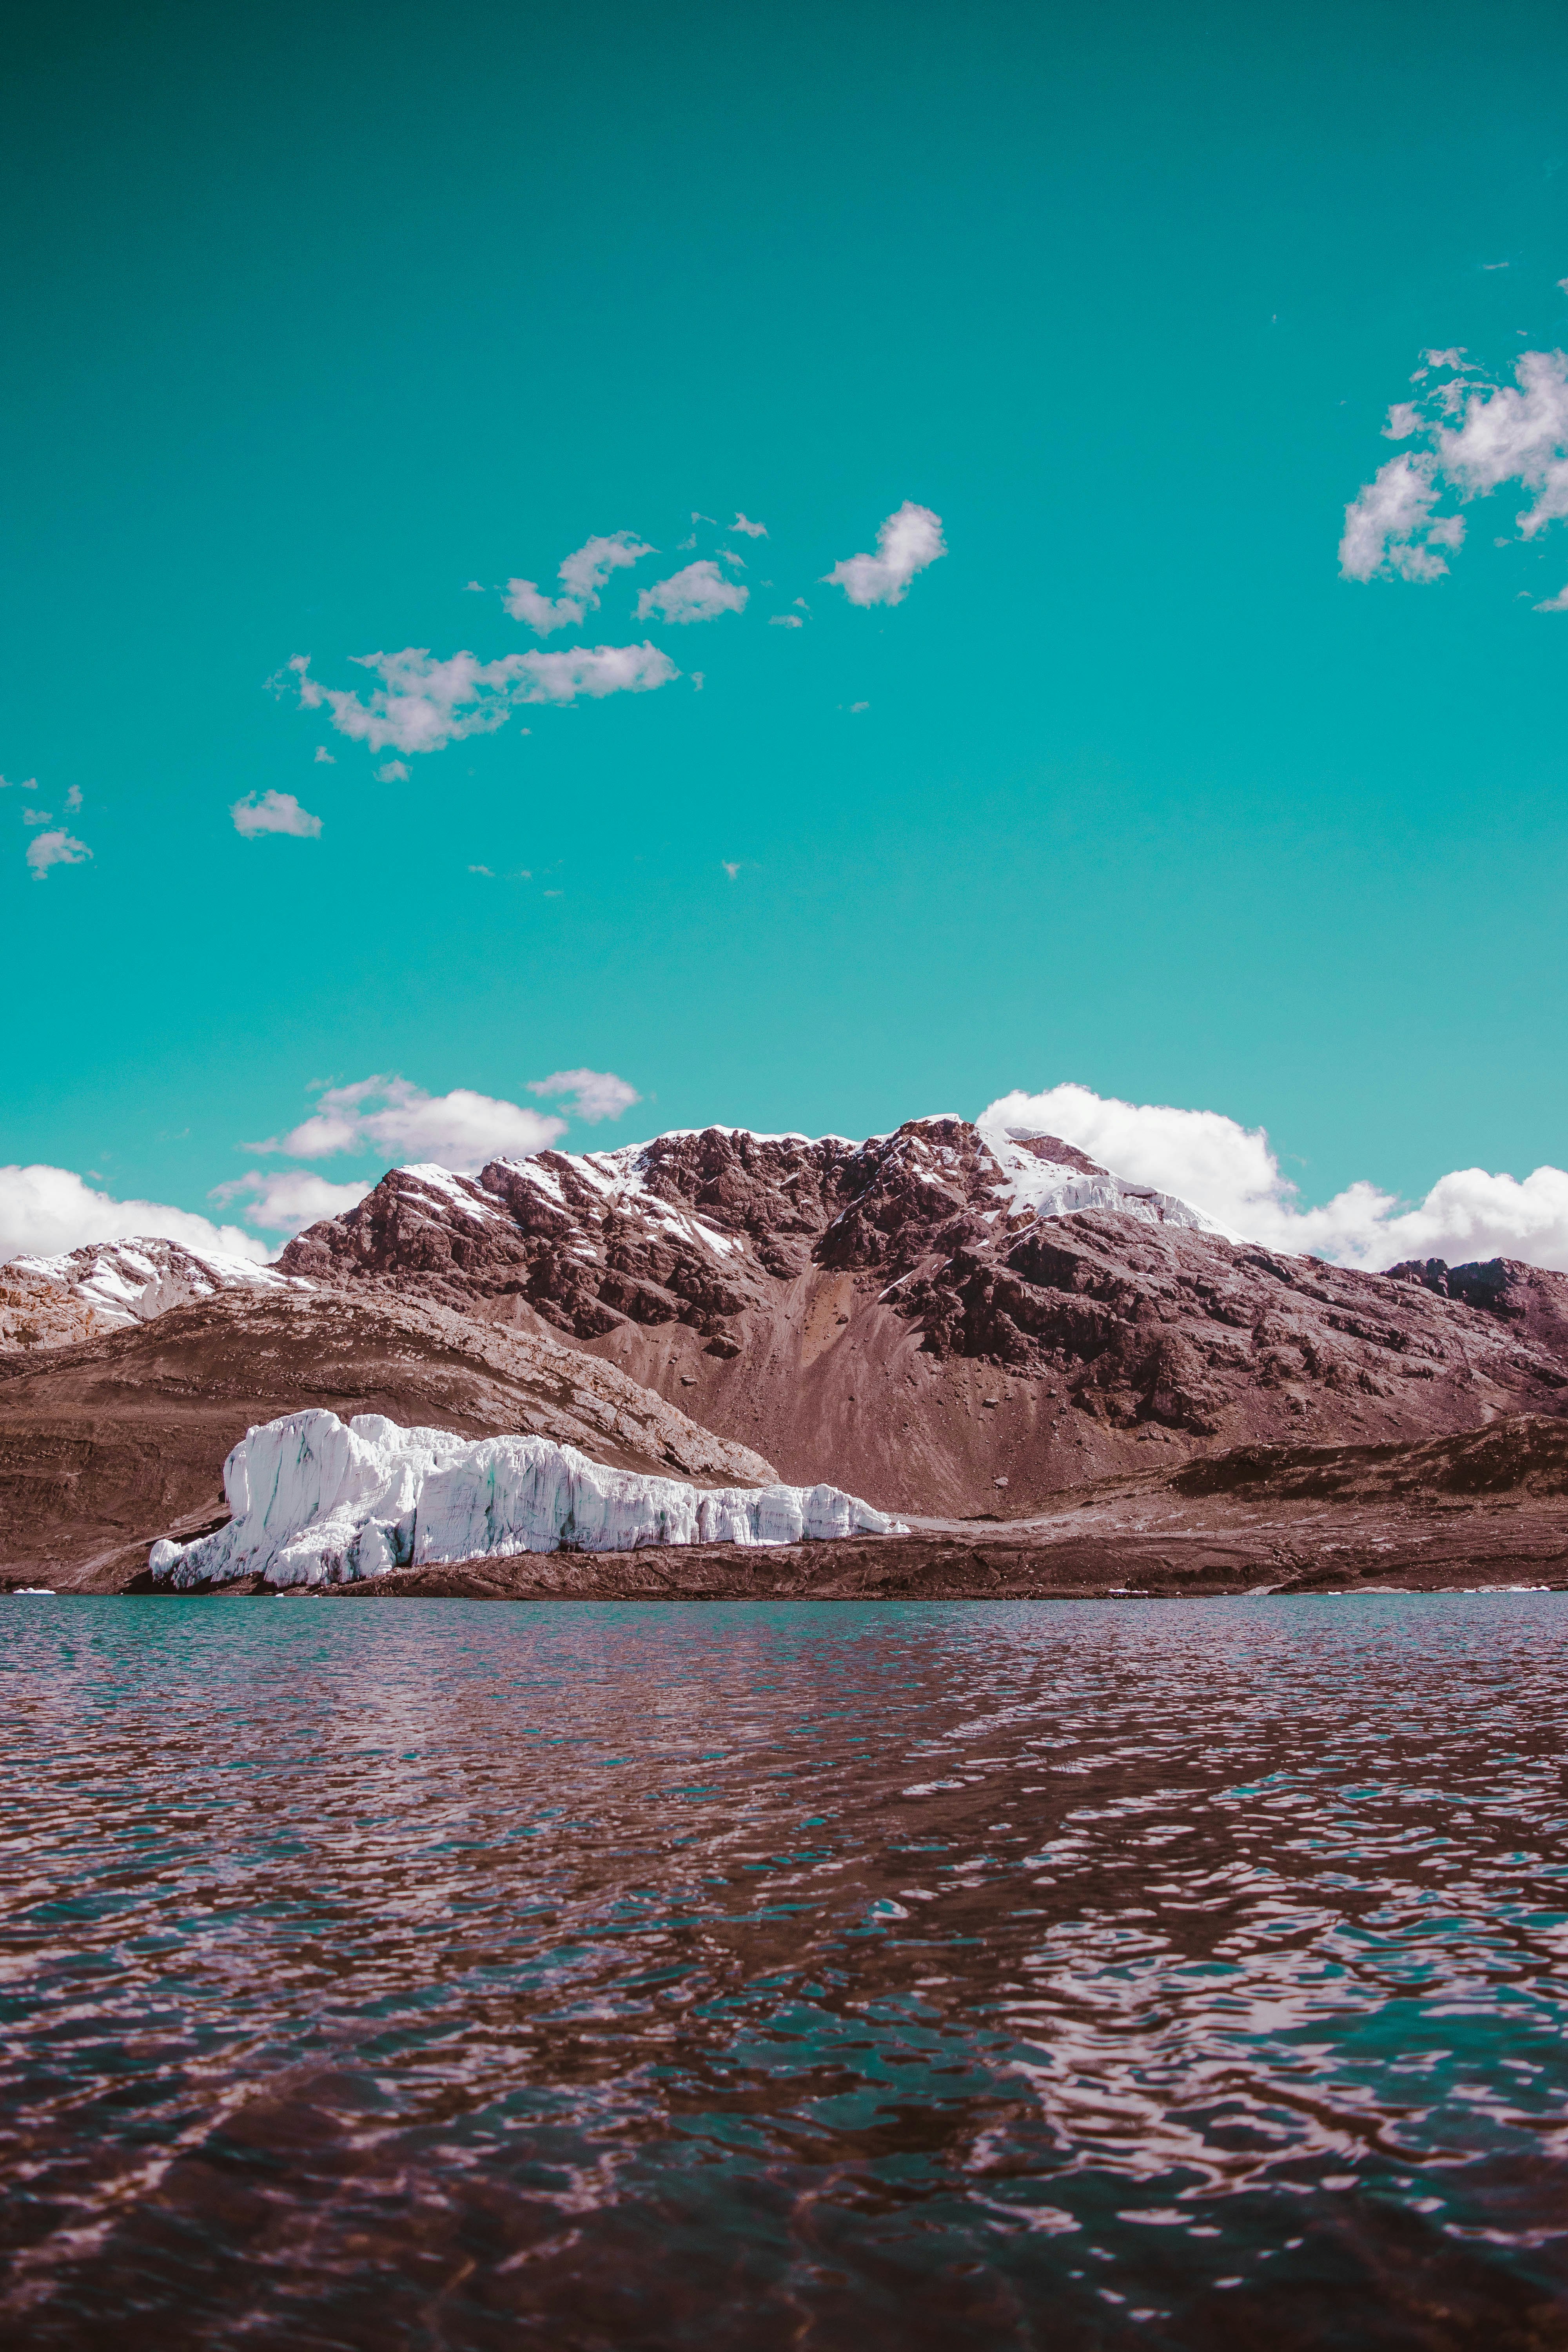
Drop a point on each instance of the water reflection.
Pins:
(765, 1975)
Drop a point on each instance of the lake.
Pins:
(994, 1975)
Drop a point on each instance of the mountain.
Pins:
(118, 1440)
(944, 1320)
(105, 1285)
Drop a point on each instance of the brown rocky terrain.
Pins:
(929, 1320)
(1485, 1510)
(37, 1313)
(117, 1440)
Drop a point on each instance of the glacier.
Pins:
(317, 1501)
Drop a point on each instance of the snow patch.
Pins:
(129, 1282)
(316, 1502)
(1050, 1188)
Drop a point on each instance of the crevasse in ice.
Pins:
(317, 1502)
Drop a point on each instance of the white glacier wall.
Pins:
(317, 1502)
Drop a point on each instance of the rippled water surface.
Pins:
(996, 1975)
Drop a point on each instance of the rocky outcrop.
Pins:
(318, 1502)
(36, 1312)
(945, 1319)
(112, 1443)
(106, 1285)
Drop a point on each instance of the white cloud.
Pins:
(274, 813)
(324, 757)
(46, 1210)
(785, 620)
(604, 669)
(60, 848)
(1479, 436)
(752, 530)
(1388, 525)
(700, 593)
(73, 800)
(1558, 604)
(596, 1093)
(1232, 1172)
(422, 705)
(392, 772)
(37, 817)
(906, 543)
(10, 784)
(581, 575)
(287, 1200)
(462, 1130)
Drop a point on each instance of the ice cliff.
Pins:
(317, 1502)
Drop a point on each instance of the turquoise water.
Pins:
(458, 1975)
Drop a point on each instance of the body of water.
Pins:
(751, 1977)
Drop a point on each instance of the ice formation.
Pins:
(317, 1502)
(129, 1282)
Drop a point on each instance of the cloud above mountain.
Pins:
(44, 1210)
(1232, 1172)
(591, 1094)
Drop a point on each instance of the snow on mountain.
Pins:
(130, 1281)
(317, 1502)
(1044, 1177)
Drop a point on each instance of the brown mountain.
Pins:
(945, 1321)
(108, 1444)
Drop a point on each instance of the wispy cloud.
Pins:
(45, 1210)
(462, 1130)
(73, 800)
(54, 849)
(700, 593)
(1232, 1172)
(422, 704)
(1479, 436)
(594, 1094)
(906, 543)
(751, 529)
(324, 757)
(37, 817)
(287, 1200)
(785, 620)
(582, 576)
(274, 813)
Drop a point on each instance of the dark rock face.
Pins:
(898, 1316)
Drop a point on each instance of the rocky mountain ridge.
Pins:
(50, 1302)
(947, 1319)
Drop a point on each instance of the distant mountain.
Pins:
(103, 1287)
(944, 1320)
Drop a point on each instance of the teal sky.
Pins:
(315, 314)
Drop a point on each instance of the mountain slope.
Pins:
(108, 1444)
(942, 1319)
